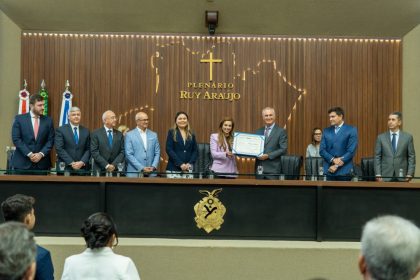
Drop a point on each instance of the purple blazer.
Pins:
(221, 163)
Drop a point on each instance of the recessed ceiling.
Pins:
(373, 18)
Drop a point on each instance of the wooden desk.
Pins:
(256, 209)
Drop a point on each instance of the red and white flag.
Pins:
(24, 100)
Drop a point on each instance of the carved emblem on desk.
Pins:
(209, 211)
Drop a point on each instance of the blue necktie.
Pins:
(76, 136)
(394, 142)
(337, 128)
(110, 138)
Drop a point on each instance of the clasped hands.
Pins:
(185, 166)
(36, 157)
(337, 162)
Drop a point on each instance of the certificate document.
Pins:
(247, 144)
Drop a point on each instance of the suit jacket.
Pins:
(137, 157)
(388, 164)
(25, 142)
(44, 266)
(101, 263)
(275, 146)
(221, 163)
(343, 144)
(67, 149)
(102, 153)
(178, 152)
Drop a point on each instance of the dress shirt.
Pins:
(143, 135)
(397, 136)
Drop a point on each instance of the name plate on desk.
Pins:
(247, 144)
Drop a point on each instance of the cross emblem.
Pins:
(211, 61)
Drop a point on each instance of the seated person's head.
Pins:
(99, 231)
(19, 208)
(17, 252)
(390, 249)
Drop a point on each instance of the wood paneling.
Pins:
(300, 78)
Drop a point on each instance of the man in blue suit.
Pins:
(142, 149)
(33, 136)
(20, 208)
(338, 146)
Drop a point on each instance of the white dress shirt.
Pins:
(99, 264)
(397, 136)
(143, 135)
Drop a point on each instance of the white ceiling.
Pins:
(373, 18)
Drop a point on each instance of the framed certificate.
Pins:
(247, 144)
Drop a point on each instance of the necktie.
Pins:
(267, 131)
(394, 142)
(76, 136)
(337, 128)
(36, 126)
(110, 138)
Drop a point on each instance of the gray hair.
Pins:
(104, 115)
(17, 250)
(74, 109)
(391, 248)
(268, 108)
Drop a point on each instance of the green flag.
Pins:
(44, 93)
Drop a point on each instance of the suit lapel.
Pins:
(270, 136)
(140, 140)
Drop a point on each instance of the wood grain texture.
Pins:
(300, 77)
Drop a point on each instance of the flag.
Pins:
(24, 100)
(65, 105)
(44, 93)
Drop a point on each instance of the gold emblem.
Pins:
(209, 211)
(211, 61)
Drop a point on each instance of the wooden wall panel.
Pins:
(300, 77)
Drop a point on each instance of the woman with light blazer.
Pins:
(181, 145)
(221, 143)
(98, 261)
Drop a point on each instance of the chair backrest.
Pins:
(368, 168)
(290, 166)
(204, 159)
(312, 165)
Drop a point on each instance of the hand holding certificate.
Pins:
(247, 144)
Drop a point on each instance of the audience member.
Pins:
(17, 252)
(98, 261)
(390, 249)
(20, 208)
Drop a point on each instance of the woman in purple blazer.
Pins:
(221, 150)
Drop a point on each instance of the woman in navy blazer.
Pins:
(221, 144)
(181, 145)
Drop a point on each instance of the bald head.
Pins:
(142, 120)
(109, 119)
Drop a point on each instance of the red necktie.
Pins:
(36, 126)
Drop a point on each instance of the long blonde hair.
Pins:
(222, 136)
(175, 127)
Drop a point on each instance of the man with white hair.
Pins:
(72, 143)
(390, 249)
(17, 252)
(107, 145)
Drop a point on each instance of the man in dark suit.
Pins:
(20, 208)
(107, 145)
(394, 152)
(33, 136)
(338, 146)
(72, 143)
(275, 145)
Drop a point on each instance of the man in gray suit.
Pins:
(275, 145)
(107, 145)
(394, 152)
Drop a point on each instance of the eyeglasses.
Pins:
(317, 133)
(143, 120)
